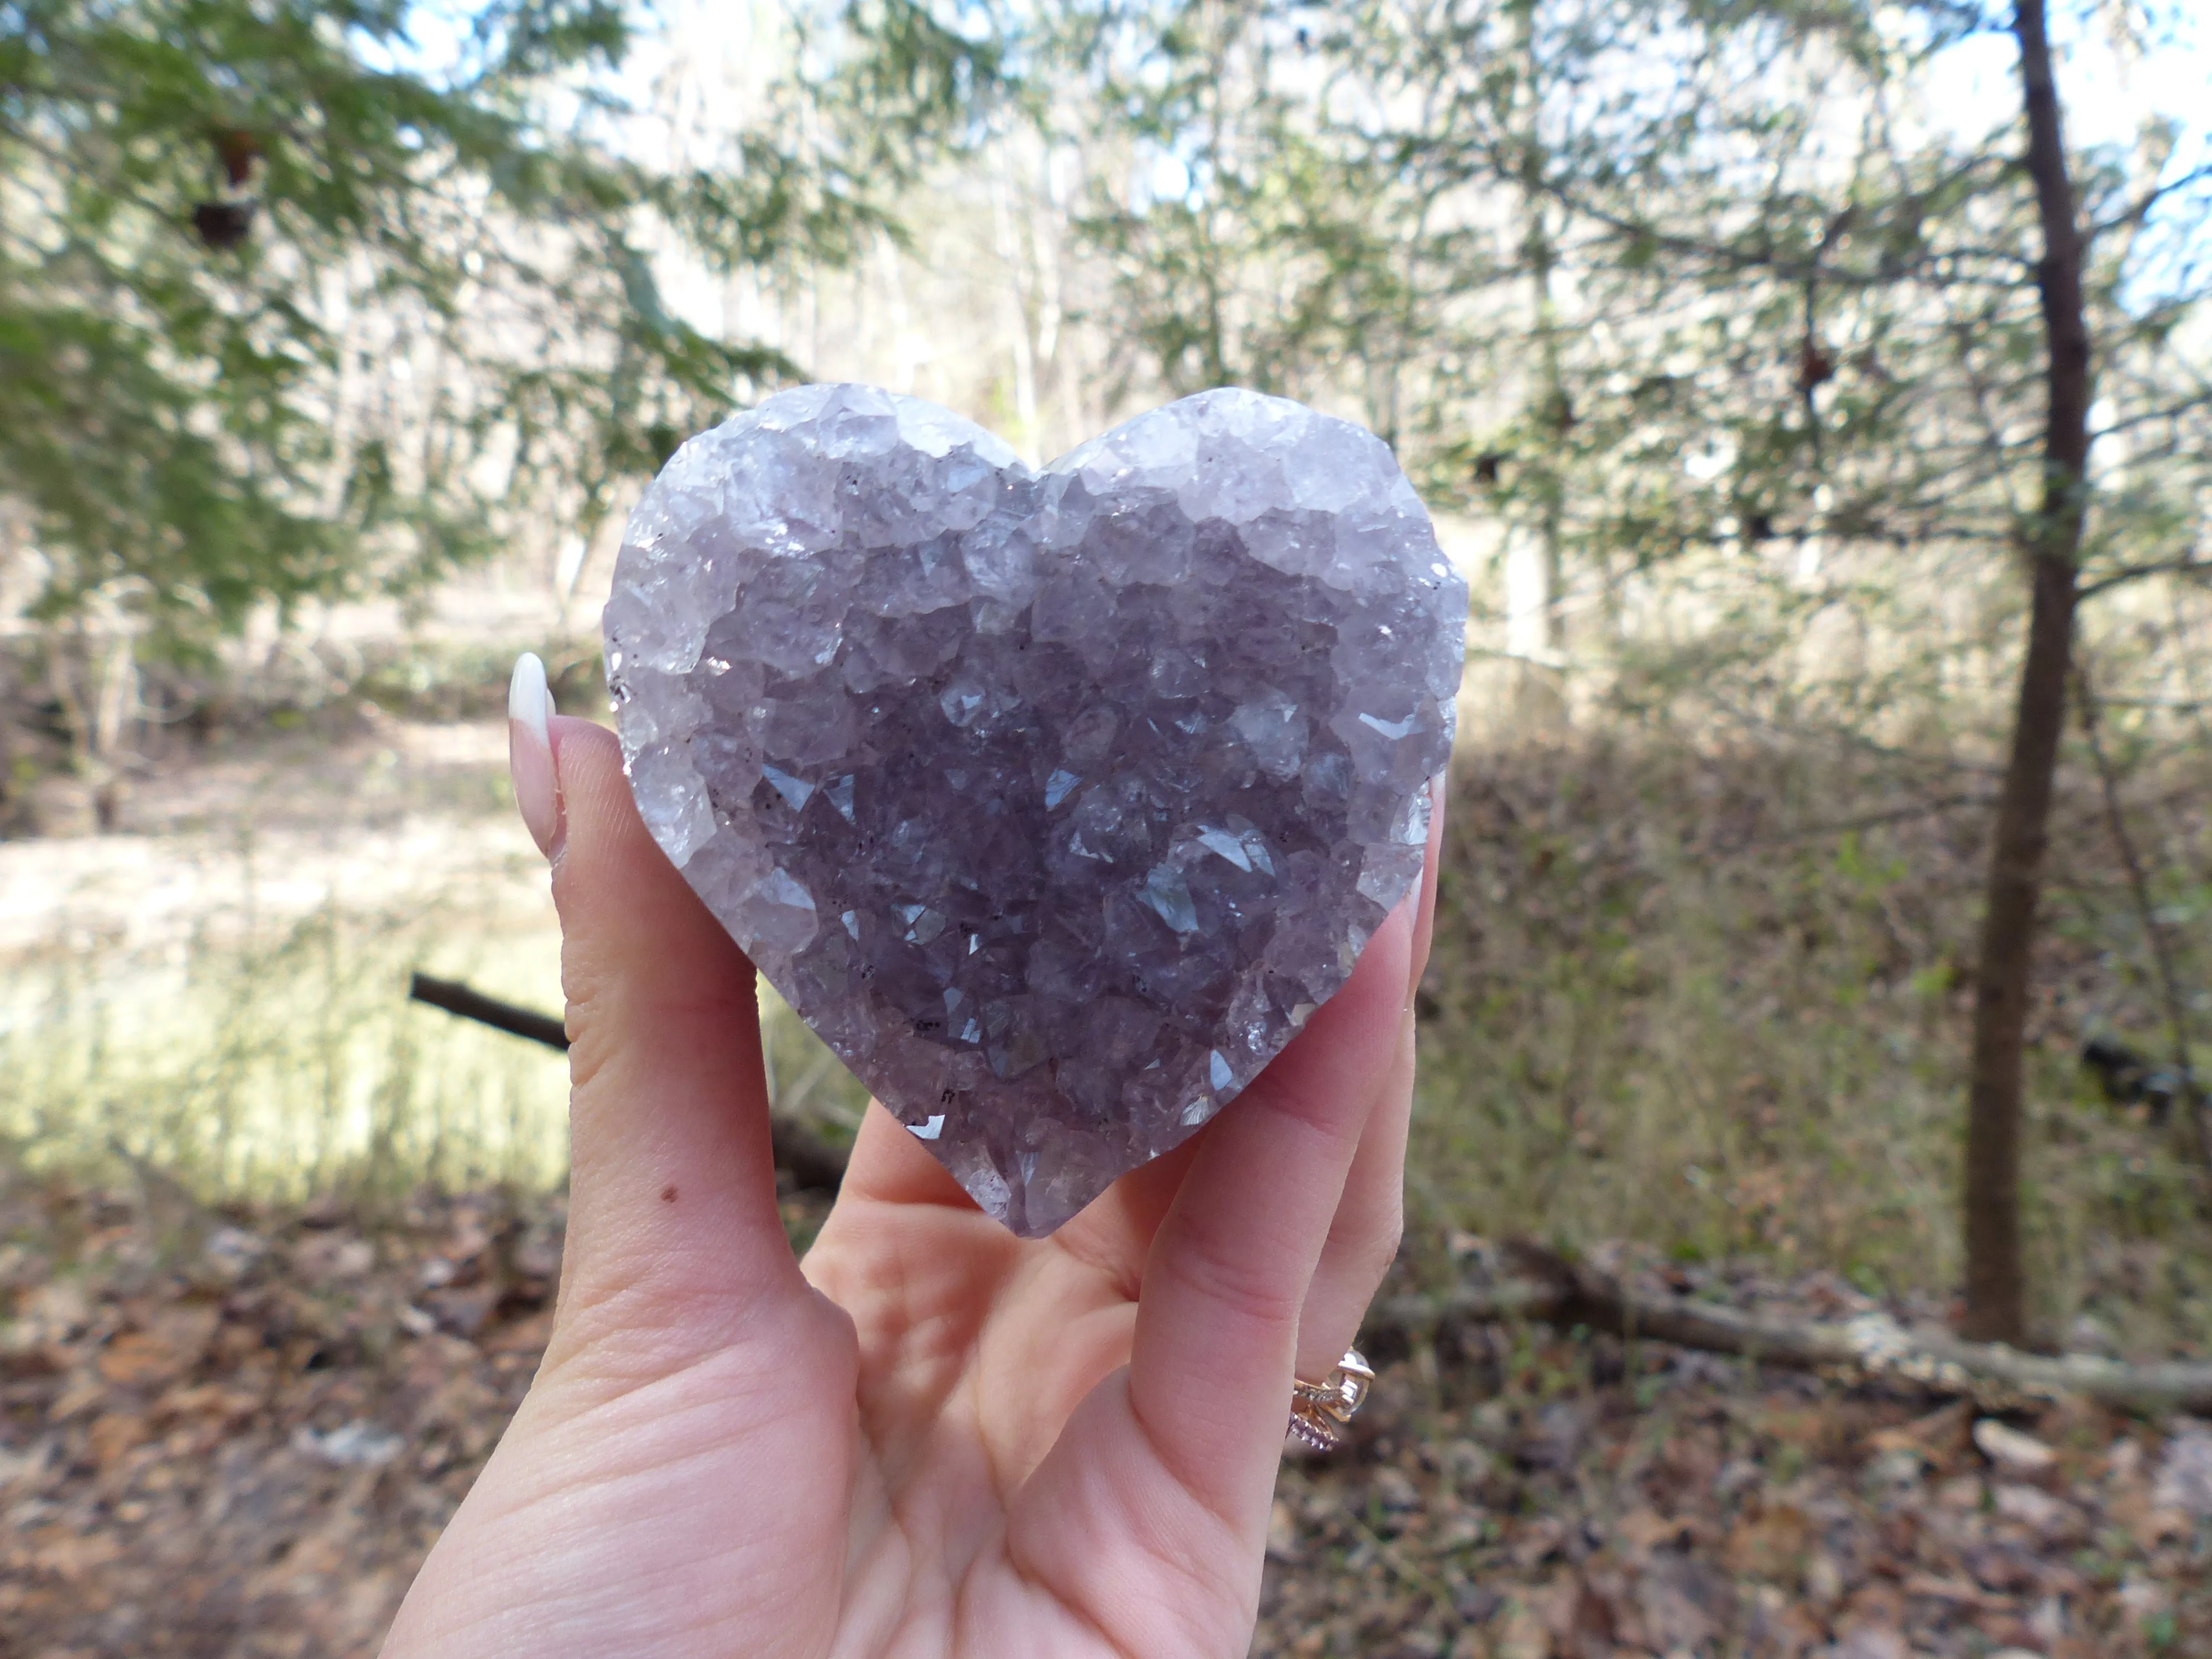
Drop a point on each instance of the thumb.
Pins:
(672, 1219)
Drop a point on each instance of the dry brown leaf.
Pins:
(2123, 1464)
(1876, 1603)
(2002, 1569)
(170, 1344)
(224, 1402)
(57, 1310)
(1522, 1634)
(2148, 1524)
(84, 1392)
(70, 1556)
(1956, 1591)
(114, 1434)
(2007, 1633)
(1536, 1539)
(25, 1351)
(1577, 1616)
(465, 1310)
(1938, 1439)
(1643, 1530)
(1812, 1432)
(527, 1336)
(1963, 1492)
(1946, 1430)
(1772, 1546)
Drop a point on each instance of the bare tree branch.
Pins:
(2138, 209)
(2136, 573)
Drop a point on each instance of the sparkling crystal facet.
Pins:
(1055, 801)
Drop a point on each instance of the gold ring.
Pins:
(1321, 1411)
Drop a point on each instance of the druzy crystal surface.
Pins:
(1055, 801)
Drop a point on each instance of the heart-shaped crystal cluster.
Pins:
(1055, 801)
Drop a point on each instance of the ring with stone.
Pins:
(1321, 1411)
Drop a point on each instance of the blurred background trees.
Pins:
(1720, 336)
(1714, 316)
(305, 301)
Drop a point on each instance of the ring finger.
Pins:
(1363, 1237)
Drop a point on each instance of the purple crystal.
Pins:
(1053, 801)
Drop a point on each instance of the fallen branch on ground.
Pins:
(456, 998)
(1545, 1287)
(813, 1163)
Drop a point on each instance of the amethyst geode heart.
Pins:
(1053, 801)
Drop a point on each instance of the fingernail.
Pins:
(530, 753)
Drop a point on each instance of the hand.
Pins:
(930, 1436)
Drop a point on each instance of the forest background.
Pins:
(1824, 431)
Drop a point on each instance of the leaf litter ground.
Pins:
(237, 1434)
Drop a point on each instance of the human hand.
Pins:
(930, 1436)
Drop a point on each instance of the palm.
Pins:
(977, 1351)
(930, 1437)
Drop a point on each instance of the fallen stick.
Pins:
(813, 1163)
(456, 998)
(1547, 1288)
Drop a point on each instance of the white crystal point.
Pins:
(1055, 801)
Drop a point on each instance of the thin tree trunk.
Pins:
(1553, 417)
(1542, 694)
(1996, 1289)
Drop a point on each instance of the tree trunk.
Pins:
(1543, 682)
(1997, 1302)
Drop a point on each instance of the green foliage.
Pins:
(283, 315)
(905, 85)
(1646, 281)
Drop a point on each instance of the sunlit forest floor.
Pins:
(276, 1244)
(220, 986)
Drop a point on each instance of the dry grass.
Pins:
(220, 992)
(283, 1058)
(1673, 1001)
(288, 1062)
(1711, 1000)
